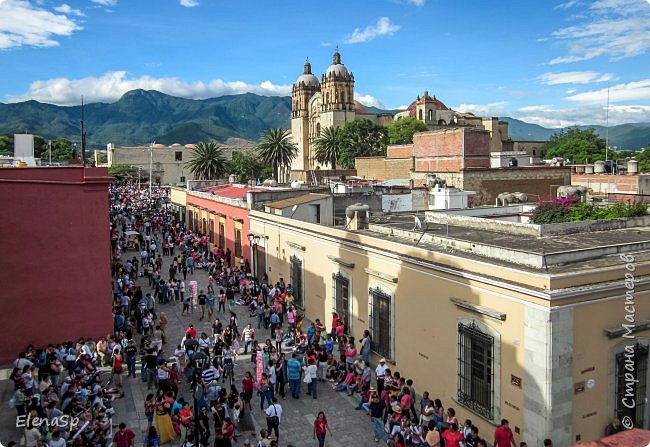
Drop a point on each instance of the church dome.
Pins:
(307, 77)
(337, 68)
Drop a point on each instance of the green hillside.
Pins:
(142, 116)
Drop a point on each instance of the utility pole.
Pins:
(607, 129)
(83, 135)
(150, 169)
(49, 145)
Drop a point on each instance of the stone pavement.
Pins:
(350, 426)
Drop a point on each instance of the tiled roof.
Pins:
(230, 191)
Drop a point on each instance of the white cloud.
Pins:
(615, 28)
(574, 77)
(189, 3)
(105, 2)
(67, 9)
(632, 91)
(112, 85)
(383, 27)
(417, 3)
(570, 91)
(22, 24)
(549, 116)
(368, 100)
(490, 109)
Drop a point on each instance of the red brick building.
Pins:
(55, 266)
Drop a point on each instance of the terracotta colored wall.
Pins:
(399, 151)
(55, 268)
(230, 212)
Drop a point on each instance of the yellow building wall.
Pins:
(594, 359)
(425, 320)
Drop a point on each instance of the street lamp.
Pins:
(254, 240)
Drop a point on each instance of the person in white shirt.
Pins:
(273, 417)
(380, 373)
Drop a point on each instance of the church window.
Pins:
(343, 97)
(327, 98)
(318, 129)
(430, 115)
(420, 115)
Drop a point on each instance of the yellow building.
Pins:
(546, 326)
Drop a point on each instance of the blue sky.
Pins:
(548, 62)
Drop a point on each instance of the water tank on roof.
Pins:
(632, 167)
(599, 167)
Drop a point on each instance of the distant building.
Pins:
(461, 157)
(167, 163)
(56, 265)
(316, 105)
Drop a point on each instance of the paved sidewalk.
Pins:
(350, 427)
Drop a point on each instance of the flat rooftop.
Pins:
(555, 253)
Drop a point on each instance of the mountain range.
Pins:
(142, 116)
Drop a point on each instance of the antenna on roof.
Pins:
(418, 226)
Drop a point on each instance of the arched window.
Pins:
(442, 123)
(430, 115)
(420, 115)
(343, 97)
(318, 129)
(327, 98)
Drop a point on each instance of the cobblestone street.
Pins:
(349, 426)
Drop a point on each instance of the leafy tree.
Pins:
(579, 146)
(329, 146)
(277, 149)
(245, 165)
(61, 150)
(127, 172)
(207, 162)
(6, 145)
(363, 139)
(401, 131)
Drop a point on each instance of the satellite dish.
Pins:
(418, 223)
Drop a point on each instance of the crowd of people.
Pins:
(154, 260)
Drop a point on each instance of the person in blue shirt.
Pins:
(210, 302)
(293, 371)
(329, 344)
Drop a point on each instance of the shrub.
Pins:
(569, 210)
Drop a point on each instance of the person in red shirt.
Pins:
(452, 437)
(124, 437)
(191, 331)
(320, 428)
(503, 436)
(247, 391)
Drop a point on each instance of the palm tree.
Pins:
(207, 162)
(329, 145)
(277, 149)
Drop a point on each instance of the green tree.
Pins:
(329, 146)
(401, 131)
(61, 150)
(6, 145)
(277, 149)
(579, 146)
(363, 138)
(128, 172)
(245, 165)
(207, 162)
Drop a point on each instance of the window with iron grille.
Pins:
(190, 219)
(222, 235)
(196, 222)
(631, 380)
(238, 251)
(296, 281)
(380, 322)
(341, 299)
(211, 230)
(475, 387)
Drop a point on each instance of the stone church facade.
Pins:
(317, 105)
